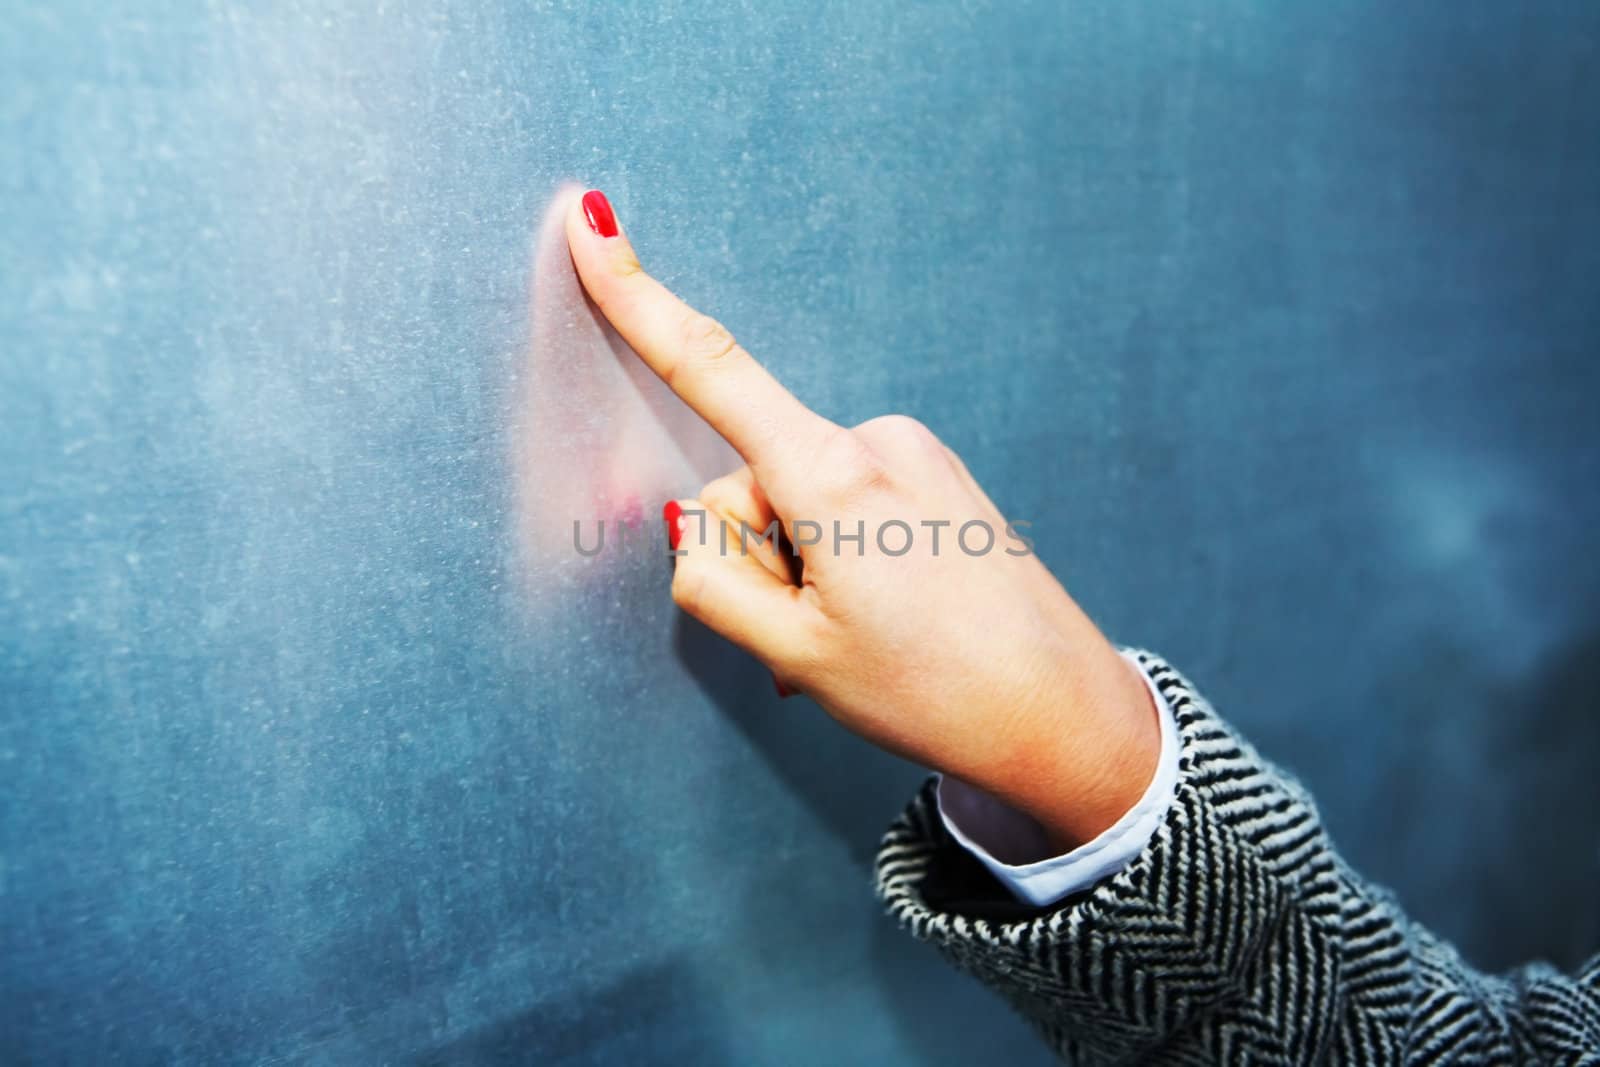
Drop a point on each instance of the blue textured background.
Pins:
(1279, 321)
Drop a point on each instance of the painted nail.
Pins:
(597, 209)
(783, 690)
(672, 515)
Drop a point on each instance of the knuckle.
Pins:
(802, 664)
(847, 467)
(898, 431)
(718, 493)
(705, 340)
(817, 651)
(956, 462)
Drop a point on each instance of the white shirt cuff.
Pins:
(1004, 839)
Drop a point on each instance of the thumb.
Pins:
(730, 590)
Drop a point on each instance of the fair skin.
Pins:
(981, 667)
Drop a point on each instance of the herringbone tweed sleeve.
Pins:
(1237, 936)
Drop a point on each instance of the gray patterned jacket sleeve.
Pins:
(1237, 936)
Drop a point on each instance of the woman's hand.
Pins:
(927, 636)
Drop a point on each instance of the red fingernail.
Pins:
(597, 209)
(673, 516)
(783, 690)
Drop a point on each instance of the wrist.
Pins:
(1085, 756)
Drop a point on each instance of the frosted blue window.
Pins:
(318, 744)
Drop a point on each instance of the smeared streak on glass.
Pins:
(598, 437)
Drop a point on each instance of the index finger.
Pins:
(692, 352)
